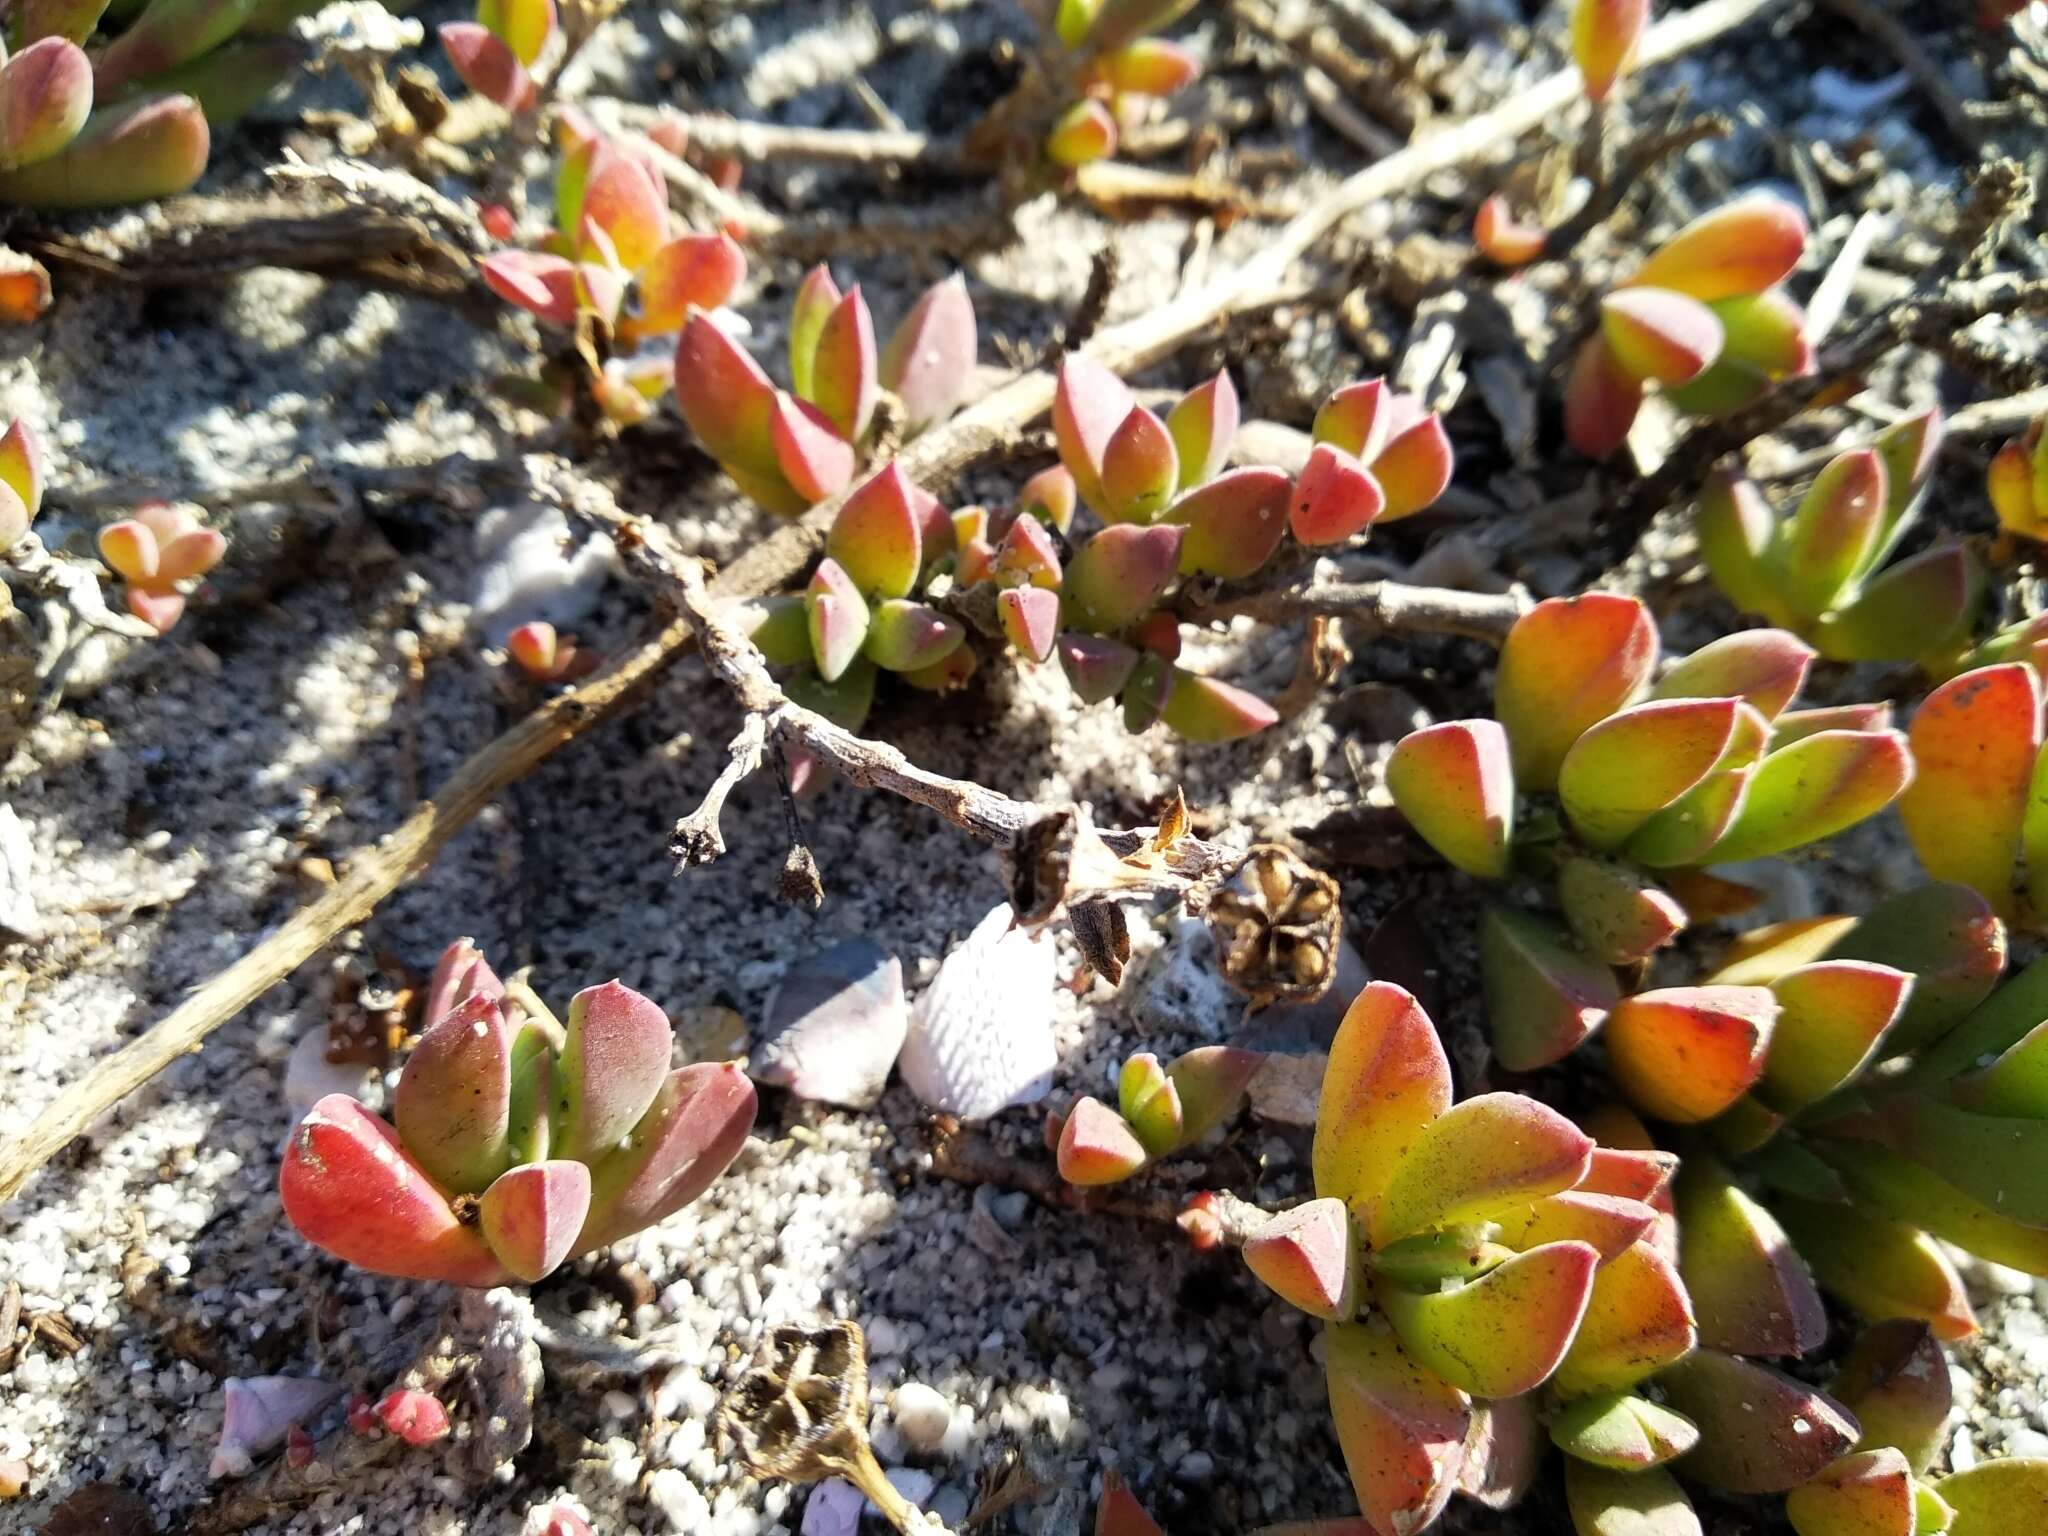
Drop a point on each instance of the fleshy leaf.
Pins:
(1504, 1333)
(1234, 522)
(1622, 1432)
(487, 66)
(1140, 468)
(847, 699)
(1119, 1513)
(1831, 1016)
(1387, 1080)
(814, 459)
(1798, 724)
(1145, 695)
(1085, 133)
(1506, 240)
(1357, 419)
(612, 1062)
(1201, 708)
(1096, 667)
(1760, 1431)
(1765, 334)
(350, 1189)
(1601, 399)
(1740, 248)
(1455, 785)
(1604, 1502)
(1750, 1293)
(1605, 35)
(1870, 1493)
(690, 271)
(166, 34)
(1334, 497)
(1975, 741)
(1629, 1173)
(131, 152)
(729, 403)
(903, 636)
(844, 369)
(929, 361)
(1609, 1223)
(1833, 534)
(1922, 607)
(877, 536)
(1089, 403)
(1947, 938)
(1150, 66)
(1634, 764)
(1210, 1082)
(1049, 496)
(817, 296)
(2006, 1494)
(1978, 1153)
(694, 1128)
(1684, 1054)
(1150, 1104)
(1542, 996)
(1736, 531)
(1895, 1380)
(1639, 1320)
(525, 25)
(454, 1098)
(1656, 334)
(1907, 1189)
(1204, 424)
(1030, 617)
(1028, 554)
(1118, 575)
(535, 281)
(1815, 788)
(531, 1215)
(625, 199)
(1614, 910)
(1765, 668)
(1504, 1452)
(1567, 664)
(1402, 1428)
(1415, 466)
(1306, 1256)
(45, 98)
(1480, 1157)
(838, 618)
(1880, 1267)
(1097, 1147)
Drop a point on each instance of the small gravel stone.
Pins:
(921, 1415)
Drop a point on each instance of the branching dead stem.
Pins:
(990, 425)
(1378, 605)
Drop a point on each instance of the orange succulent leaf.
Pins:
(1832, 1016)
(1307, 1256)
(1639, 1320)
(1948, 938)
(1504, 239)
(1815, 788)
(1482, 1156)
(1504, 1333)
(1765, 668)
(1685, 1054)
(1456, 786)
(1740, 248)
(1403, 1429)
(1568, 664)
(1614, 910)
(1096, 1147)
(1867, 1493)
(1234, 522)
(1975, 742)
(1881, 1267)
(1659, 335)
(1119, 1513)
(1387, 1080)
(1630, 766)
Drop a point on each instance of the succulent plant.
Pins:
(1174, 511)
(158, 553)
(617, 263)
(545, 656)
(495, 53)
(1975, 813)
(1122, 72)
(1703, 319)
(23, 475)
(519, 1142)
(1653, 776)
(1161, 1110)
(790, 449)
(128, 120)
(1822, 572)
(1605, 35)
(1504, 239)
(2018, 483)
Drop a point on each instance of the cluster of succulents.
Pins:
(2018, 483)
(517, 1141)
(1976, 812)
(791, 449)
(1822, 572)
(494, 55)
(129, 121)
(158, 553)
(1703, 319)
(1654, 777)
(617, 267)
(1161, 1110)
(1123, 72)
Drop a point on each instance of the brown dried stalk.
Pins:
(993, 423)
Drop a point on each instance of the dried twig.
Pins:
(1381, 605)
(1913, 56)
(379, 869)
(1634, 163)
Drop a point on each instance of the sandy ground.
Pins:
(174, 801)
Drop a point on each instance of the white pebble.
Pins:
(922, 1416)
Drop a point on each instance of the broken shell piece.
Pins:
(309, 1076)
(834, 1025)
(981, 1034)
(259, 1411)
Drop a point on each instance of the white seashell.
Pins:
(258, 1412)
(529, 567)
(981, 1034)
(309, 1076)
